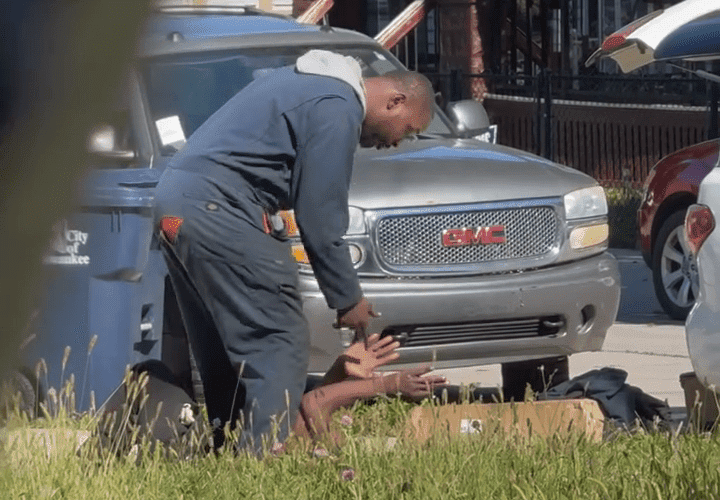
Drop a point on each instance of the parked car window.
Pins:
(184, 90)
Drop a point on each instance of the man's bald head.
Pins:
(399, 103)
(417, 86)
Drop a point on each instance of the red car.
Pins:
(670, 188)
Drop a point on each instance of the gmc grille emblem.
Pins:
(488, 235)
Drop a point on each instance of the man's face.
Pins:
(394, 122)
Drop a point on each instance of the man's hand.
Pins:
(361, 361)
(357, 318)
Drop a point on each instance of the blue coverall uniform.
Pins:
(285, 141)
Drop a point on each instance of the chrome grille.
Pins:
(416, 239)
(455, 333)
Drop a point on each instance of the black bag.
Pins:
(619, 401)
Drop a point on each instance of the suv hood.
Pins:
(454, 171)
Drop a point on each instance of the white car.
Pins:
(703, 324)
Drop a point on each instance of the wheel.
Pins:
(675, 274)
(541, 374)
(19, 389)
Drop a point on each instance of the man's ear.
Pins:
(396, 100)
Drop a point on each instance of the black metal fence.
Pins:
(613, 128)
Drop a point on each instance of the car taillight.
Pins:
(699, 223)
(619, 38)
(614, 41)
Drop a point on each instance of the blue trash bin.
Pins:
(103, 292)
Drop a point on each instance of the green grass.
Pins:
(627, 465)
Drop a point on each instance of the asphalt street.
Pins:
(644, 341)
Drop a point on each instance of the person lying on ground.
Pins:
(353, 377)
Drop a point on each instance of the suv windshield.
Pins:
(185, 89)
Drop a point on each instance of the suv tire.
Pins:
(541, 374)
(19, 388)
(671, 259)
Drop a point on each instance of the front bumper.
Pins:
(585, 294)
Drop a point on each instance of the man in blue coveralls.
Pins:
(286, 141)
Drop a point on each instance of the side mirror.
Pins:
(471, 120)
(103, 142)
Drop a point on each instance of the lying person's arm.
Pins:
(318, 405)
(360, 362)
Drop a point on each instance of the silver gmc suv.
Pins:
(474, 253)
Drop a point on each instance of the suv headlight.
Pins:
(356, 226)
(589, 236)
(584, 203)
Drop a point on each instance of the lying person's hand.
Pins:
(360, 361)
(411, 383)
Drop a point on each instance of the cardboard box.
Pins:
(535, 418)
(701, 403)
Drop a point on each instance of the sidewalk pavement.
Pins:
(654, 356)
